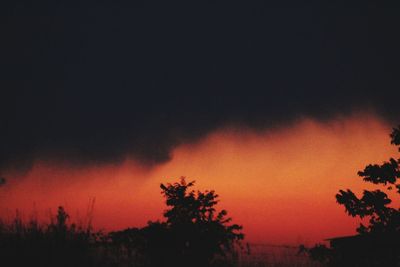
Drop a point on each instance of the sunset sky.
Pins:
(275, 108)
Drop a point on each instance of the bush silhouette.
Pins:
(193, 233)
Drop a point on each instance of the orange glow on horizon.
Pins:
(279, 184)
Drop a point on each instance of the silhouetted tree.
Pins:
(194, 233)
(375, 204)
(200, 231)
(378, 242)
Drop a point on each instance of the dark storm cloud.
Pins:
(98, 82)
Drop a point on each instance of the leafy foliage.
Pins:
(194, 233)
(376, 204)
(201, 231)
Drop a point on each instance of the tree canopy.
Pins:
(375, 205)
(193, 232)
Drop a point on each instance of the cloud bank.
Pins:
(101, 82)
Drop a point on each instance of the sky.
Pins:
(274, 107)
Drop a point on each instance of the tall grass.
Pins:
(56, 243)
(61, 243)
